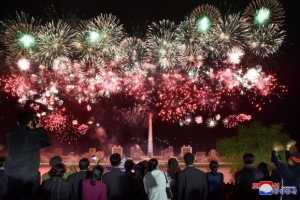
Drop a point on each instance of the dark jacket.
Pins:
(191, 184)
(23, 156)
(75, 180)
(23, 161)
(243, 183)
(56, 188)
(214, 185)
(117, 183)
(2, 184)
(290, 175)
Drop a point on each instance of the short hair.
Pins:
(84, 163)
(96, 174)
(115, 159)
(24, 118)
(248, 158)
(58, 170)
(152, 164)
(128, 165)
(2, 161)
(189, 158)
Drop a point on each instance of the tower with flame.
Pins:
(150, 138)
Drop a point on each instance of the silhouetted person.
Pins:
(53, 161)
(129, 165)
(276, 178)
(263, 167)
(289, 172)
(245, 178)
(76, 179)
(56, 188)
(93, 188)
(172, 175)
(116, 181)
(191, 183)
(3, 179)
(214, 182)
(155, 182)
(136, 185)
(23, 157)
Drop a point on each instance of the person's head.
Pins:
(2, 161)
(58, 170)
(153, 163)
(115, 160)
(129, 165)
(84, 164)
(263, 167)
(189, 159)
(248, 158)
(294, 159)
(55, 160)
(214, 166)
(96, 174)
(145, 163)
(139, 171)
(172, 167)
(25, 118)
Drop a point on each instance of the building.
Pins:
(213, 153)
(171, 151)
(100, 154)
(162, 154)
(117, 149)
(92, 151)
(136, 153)
(58, 151)
(200, 153)
(167, 153)
(186, 149)
(150, 137)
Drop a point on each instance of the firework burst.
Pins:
(98, 34)
(211, 123)
(264, 12)
(66, 127)
(233, 32)
(191, 69)
(162, 46)
(266, 40)
(54, 40)
(21, 35)
(132, 53)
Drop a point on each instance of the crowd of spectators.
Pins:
(20, 178)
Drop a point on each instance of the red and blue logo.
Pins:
(265, 187)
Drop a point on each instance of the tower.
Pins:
(150, 138)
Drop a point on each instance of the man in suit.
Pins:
(76, 179)
(191, 183)
(245, 178)
(117, 182)
(23, 157)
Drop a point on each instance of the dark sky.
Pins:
(134, 12)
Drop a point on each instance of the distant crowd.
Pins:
(20, 178)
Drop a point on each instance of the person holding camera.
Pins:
(23, 157)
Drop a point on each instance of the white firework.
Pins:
(211, 123)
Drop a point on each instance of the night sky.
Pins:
(133, 13)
